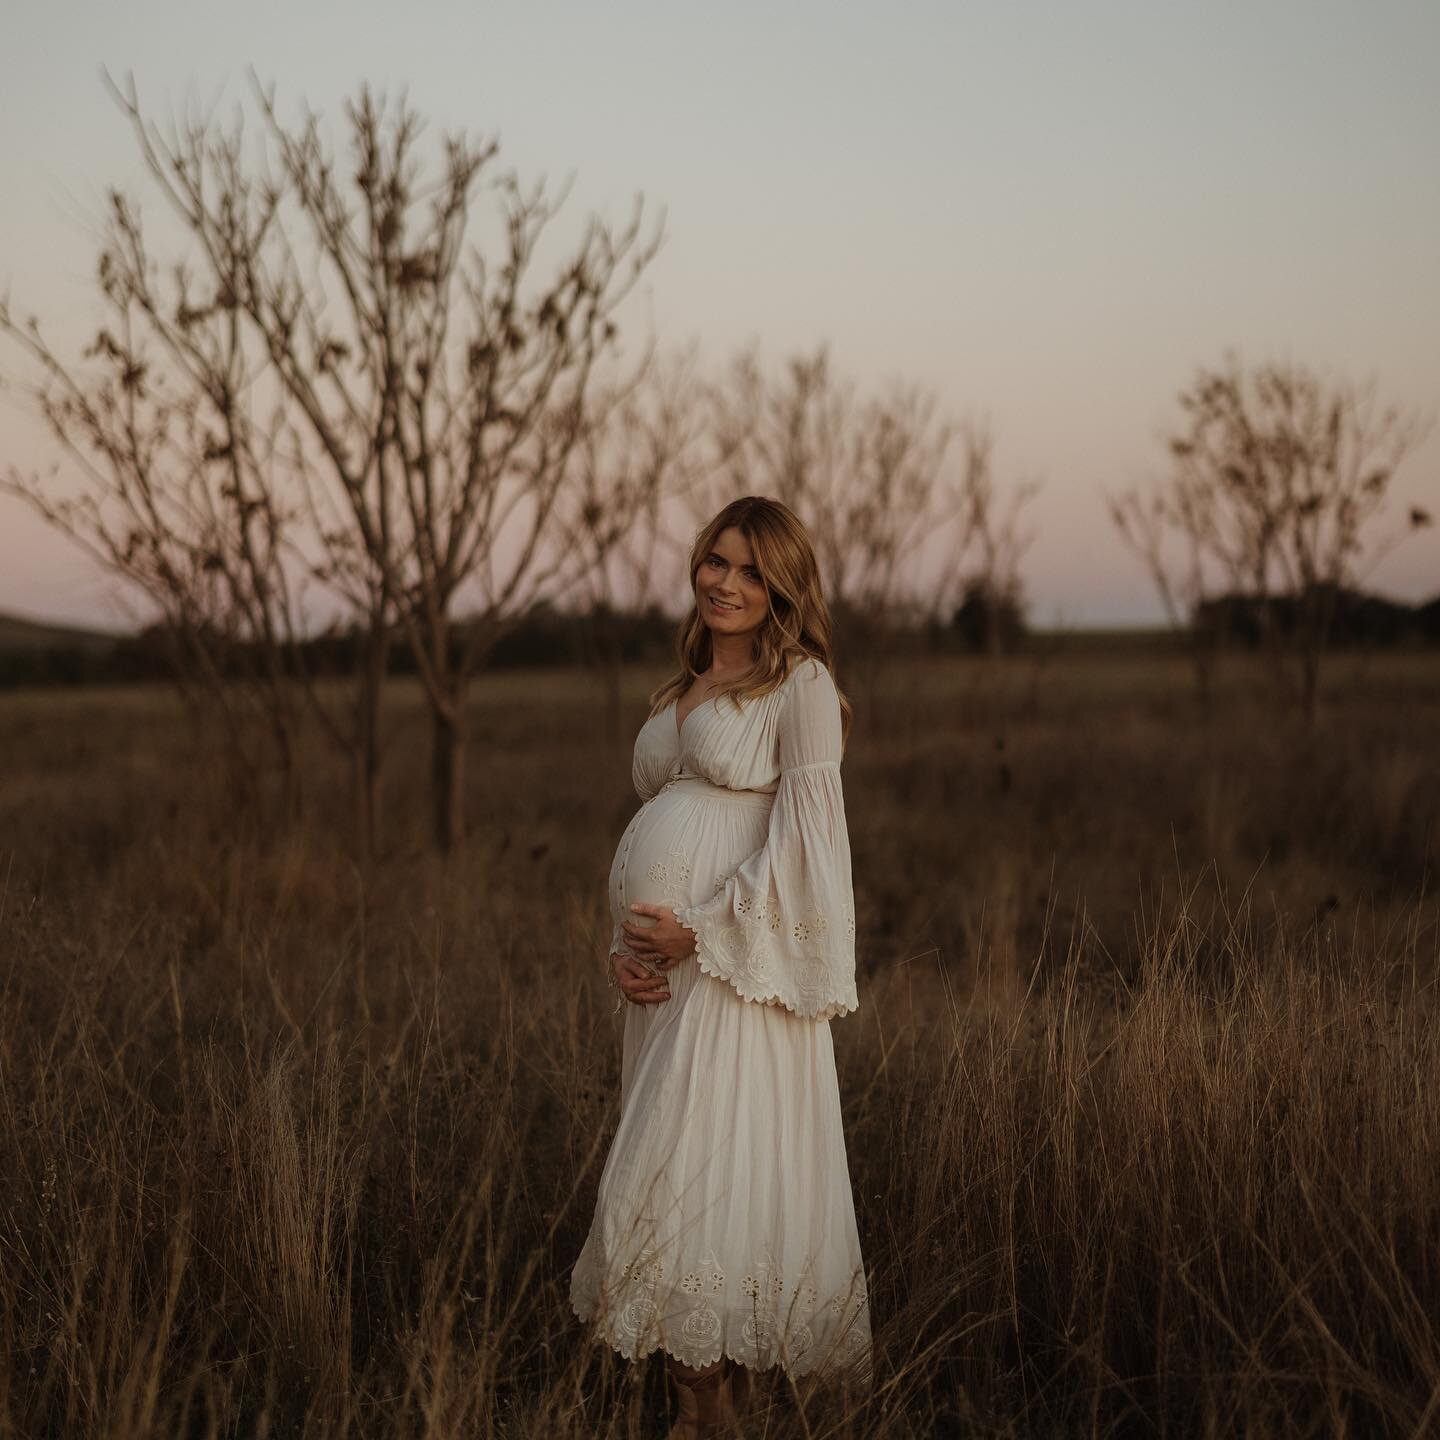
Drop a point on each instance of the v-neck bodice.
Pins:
(680, 723)
(738, 749)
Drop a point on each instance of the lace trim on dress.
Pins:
(743, 948)
(703, 1316)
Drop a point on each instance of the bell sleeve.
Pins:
(782, 932)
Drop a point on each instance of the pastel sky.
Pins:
(1050, 211)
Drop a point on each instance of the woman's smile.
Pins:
(729, 587)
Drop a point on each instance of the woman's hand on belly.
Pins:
(665, 943)
(638, 980)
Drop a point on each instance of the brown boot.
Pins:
(705, 1407)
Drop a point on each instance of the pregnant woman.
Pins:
(724, 1229)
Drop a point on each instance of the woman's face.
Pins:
(729, 592)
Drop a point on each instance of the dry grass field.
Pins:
(1142, 1100)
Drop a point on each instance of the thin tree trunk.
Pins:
(1310, 682)
(367, 757)
(363, 793)
(447, 761)
(283, 731)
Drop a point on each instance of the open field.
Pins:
(1142, 1100)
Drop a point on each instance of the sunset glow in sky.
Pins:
(1049, 211)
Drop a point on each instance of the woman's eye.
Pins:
(750, 573)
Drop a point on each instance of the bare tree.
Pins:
(864, 473)
(175, 489)
(895, 518)
(434, 416)
(1277, 477)
(641, 452)
(986, 568)
(1166, 527)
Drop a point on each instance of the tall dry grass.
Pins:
(1141, 1103)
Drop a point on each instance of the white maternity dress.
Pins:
(724, 1222)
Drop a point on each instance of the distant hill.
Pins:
(19, 635)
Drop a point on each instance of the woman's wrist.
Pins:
(692, 934)
(613, 982)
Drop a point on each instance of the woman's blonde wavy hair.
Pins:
(798, 620)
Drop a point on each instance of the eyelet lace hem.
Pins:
(700, 1326)
(744, 950)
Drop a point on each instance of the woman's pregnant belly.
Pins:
(680, 848)
(683, 844)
